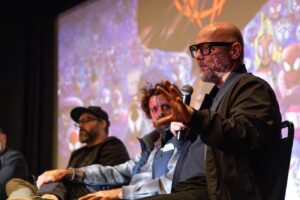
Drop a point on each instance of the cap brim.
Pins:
(76, 112)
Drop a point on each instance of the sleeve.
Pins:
(13, 166)
(142, 185)
(113, 153)
(251, 119)
(99, 175)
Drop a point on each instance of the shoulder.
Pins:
(78, 150)
(111, 139)
(250, 78)
(249, 83)
(11, 155)
(111, 142)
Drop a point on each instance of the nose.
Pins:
(198, 55)
(80, 125)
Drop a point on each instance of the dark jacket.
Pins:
(242, 132)
(12, 165)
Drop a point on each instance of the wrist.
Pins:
(69, 174)
(191, 113)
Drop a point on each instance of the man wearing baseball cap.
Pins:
(93, 123)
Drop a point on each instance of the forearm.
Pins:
(104, 175)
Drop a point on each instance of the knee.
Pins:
(19, 188)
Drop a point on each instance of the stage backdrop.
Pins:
(109, 49)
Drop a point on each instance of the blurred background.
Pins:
(58, 54)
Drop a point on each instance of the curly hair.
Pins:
(147, 92)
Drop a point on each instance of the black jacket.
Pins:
(242, 132)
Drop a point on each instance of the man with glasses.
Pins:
(239, 121)
(93, 125)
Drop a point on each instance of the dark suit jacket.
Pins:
(242, 133)
(12, 165)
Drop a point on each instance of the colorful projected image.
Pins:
(103, 61)
(273, 52)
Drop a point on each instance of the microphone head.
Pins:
(187, 90)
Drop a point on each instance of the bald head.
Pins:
(221, 32)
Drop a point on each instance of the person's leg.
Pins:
(194, 188)
(19, 188)
(2, 192)
(58, 189)
(77, 190)
(193, 194)
(63, 190)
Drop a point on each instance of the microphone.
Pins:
(186, 92)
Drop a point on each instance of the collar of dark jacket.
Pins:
(213, 99)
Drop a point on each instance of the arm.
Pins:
(91, 175)
(251, 119)
(142, 184)
(13, 165)
(104, 175)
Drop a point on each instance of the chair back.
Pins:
(286, 144)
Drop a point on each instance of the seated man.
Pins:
(239, 121)
(151, 174)
(12, 164)
(93, 124)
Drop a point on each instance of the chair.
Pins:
(287, 137)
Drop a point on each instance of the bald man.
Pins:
(239, 121)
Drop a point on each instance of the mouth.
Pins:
(202, 66)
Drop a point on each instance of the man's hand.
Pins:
(104, 195)
(53, 176)
(178, 126)
(181, 112)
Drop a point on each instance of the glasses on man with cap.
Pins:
(84, 121)
(205, 47)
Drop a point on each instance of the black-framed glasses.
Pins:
(205, 47)
(84, 121)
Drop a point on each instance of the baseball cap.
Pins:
(94, 110)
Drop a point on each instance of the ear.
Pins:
(3, 138)
(103, 124)
(236, 51)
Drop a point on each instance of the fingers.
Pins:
(165, 93)
(86, 197)
(50, 176)
(167, 83)
(164, 120)
(177, 126)
(185, 111)
(175, 92)
(39, 182)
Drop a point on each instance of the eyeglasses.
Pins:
(84, 121)
(205, 47)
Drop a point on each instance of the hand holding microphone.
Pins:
(187, 92)
(181, 112)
